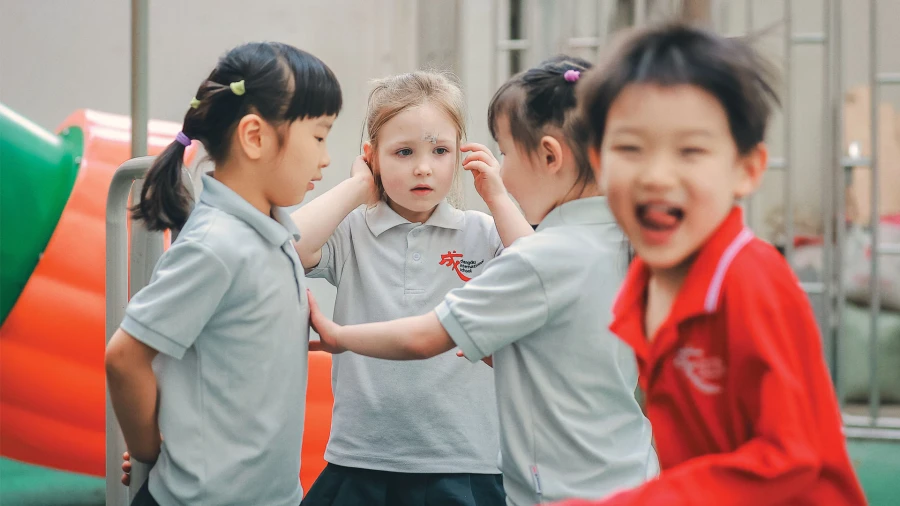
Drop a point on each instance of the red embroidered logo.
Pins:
(700, 370)
(455, 261)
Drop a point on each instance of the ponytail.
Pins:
(165, 202)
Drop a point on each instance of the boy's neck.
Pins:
(662, 290)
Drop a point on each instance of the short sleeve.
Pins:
(502, 305)
(187, 286)
(334, 252)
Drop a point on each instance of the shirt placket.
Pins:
(414, 263)
(299, 273)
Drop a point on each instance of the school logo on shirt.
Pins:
(704, 372)
(461, 266)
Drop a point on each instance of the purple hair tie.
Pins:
(572, 75)
(182, 139)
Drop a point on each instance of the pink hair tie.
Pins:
(572, 75)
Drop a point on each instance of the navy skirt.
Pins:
(143, 497)
(347, 486)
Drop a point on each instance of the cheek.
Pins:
(448, 167)
(390, 176)
(618, 188)
(508, 175)
(616, 179)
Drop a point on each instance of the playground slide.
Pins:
(53, 192)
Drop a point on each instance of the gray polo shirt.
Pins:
(570, 424)
(227, 310)
(431, 416)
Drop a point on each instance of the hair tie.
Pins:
(572, 75)
(183, 139)
(238, 88)
(195, 103)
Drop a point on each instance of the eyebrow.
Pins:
(681, 133)
(440, 140)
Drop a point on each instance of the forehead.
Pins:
(311, 123)
(504, 130)
(652, 107)
(421, 122)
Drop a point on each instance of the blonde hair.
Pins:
(391, 96)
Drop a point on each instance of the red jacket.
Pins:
(737, 390)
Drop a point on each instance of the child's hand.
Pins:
(486, 169)
(326, 329)
(489, 360)
(126, 469)
(361, 171)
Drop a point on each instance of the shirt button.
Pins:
(417, 257)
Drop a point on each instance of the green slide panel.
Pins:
(37, 173)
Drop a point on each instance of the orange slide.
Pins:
(52, 400)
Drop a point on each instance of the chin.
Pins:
(663, 260)
(418, 206)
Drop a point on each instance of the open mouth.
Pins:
(422, 189)
(658, 220)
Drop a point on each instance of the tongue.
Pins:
(660, 218)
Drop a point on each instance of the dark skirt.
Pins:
(143, 497)
(347, 486)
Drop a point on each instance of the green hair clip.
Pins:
(195, 103)
(238, 87)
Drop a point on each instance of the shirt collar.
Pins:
(701, 291)
(381, 217)
(277, 231)
(586, 211)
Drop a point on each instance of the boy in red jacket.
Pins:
(730, 357)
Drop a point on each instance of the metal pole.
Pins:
(145, 247)
(875, 302)
(788, 159)
(116, 300)
(748, 28)
(840, 185)
(639, 14)
(828, 160)
(139, 64)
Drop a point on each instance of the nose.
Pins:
(422, 169)
(325, 161)
(658, 174)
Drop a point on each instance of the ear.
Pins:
(550, 153)
(751, 168)
(371, 157)
(250, 137)
(594, 160)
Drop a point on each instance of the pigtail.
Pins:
(165, 202)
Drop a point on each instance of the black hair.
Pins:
(539, 98)
(675, 54)
(281, 84)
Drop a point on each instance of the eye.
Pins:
(405, 152)
(320, 139)
(441, 151)
(627, 148)
(692, 151)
